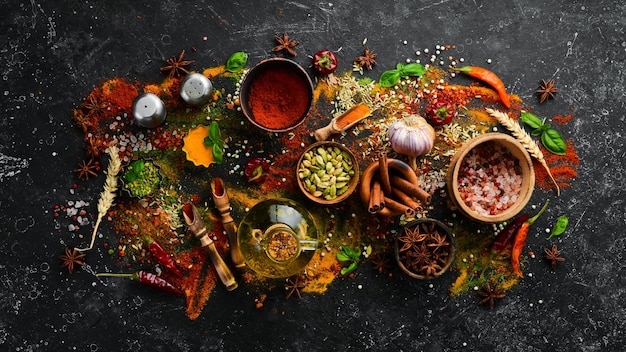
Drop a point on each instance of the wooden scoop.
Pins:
(344, 121)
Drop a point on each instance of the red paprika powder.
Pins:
(279, 99)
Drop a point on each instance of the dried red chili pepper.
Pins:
(161, 255)
(325, 62)
(256, 170)
(520, 240)
(148, 279)
(508, 233)
(440, 112)
(490, 78)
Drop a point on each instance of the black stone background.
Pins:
(53, 53)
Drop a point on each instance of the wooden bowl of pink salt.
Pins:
(491, 178)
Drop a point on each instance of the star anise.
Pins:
(431, 268)
(490, 295)
(93, 147)
(412, 237)
(294, 285)
(86, 168)
(420, 256)
(94, 107)
(83, 121)
(546, 91)
(553, 255)
(70, 258)
(176, 65)
(381, 263)
(437, 240)
(285, 44)
(367, 59)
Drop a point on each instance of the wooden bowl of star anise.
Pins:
(425, 248)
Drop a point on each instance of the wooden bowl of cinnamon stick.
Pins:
(390, 187)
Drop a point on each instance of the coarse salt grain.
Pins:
(489, 179)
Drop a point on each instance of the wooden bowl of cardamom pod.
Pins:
(327, 172)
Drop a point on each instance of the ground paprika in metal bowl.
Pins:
(276, 95)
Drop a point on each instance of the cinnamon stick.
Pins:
(383, 171)
(411, 189)
(376, 197)
(399, 207)
(405, 198)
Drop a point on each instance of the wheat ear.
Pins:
(108, 194)
(525, 139)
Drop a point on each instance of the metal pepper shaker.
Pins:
(195, 89)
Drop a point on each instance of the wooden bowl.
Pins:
(517, 151)
(283, 82)
(443, 256)
(309, 183)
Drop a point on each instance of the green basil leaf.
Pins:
(214, 132)
(138, 166)
(218, 153)
(389, 78)
(350, 268)
(531, 120)
(414, 69)
(236, 62)
(342, 256)
(400, 66)
(356, 254)
(348, 250)
(554, 143)
(208, 142)
(559, 226)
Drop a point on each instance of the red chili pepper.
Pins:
(520, 240)
(440, 113)
(161, 255)
(256, 170)
(508, 233)
(488, 77)
(325, 62)
(148, 279)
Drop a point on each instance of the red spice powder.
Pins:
(563, 168)
(278, 98)
(562, 119)
(119, 94)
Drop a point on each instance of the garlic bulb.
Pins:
(412, 136)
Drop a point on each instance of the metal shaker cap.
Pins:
(195, 89)
(149, 110)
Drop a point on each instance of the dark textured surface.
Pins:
(54, 53)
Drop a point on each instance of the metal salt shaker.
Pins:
(149, 110)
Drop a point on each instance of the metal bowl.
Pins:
(279, 76)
